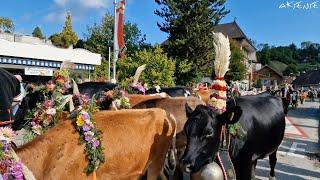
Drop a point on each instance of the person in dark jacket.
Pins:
(9, 89)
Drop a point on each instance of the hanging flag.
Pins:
(119, 29)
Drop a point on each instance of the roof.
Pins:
(233, 31)
(266, 66)
(48, 52)
(308, 78)
(277, 66)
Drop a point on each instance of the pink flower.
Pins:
(123, 92)
(95, 144)
(7, 134)
(48, 104)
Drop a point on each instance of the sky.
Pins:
(276, 22)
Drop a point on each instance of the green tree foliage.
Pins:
(37, 33)
(100, 37)
(159, 68)
(238, 69)
(102, 70)
(6, 24)
(67, 37)
(298, 59)
(56, 40)
(189, 25)
(291, 69)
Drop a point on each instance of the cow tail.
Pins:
(173, 151)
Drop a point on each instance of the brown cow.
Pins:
(134, 140)
(176, 107)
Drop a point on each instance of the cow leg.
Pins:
(253, 170)
(272, 162)
(243, 165)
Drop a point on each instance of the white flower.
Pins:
(37, 129)
(51, 111)
(89, 133)
(117, 103)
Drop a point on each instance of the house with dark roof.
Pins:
(234, 32)
(268, 77)
(308, 79)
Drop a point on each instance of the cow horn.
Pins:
(138, 73)
(75, 88)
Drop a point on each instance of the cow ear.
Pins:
(231, 116)
(188, 110)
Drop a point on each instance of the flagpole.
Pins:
(109, 64)
(115, 49)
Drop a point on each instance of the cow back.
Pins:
(133, 140)
(263, 121)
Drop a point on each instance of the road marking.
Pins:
(294, 147)
(294, 130)
(292, 151)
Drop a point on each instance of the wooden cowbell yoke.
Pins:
(218, 99)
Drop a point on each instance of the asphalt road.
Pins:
(298, 155)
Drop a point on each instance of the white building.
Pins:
(28, 55)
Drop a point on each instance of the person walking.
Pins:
(9, 89)
(302, 96)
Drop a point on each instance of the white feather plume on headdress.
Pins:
(222, 54)
(138, 73)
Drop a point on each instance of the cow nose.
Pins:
(187, 168)
(186, 165)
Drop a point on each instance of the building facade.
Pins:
(30, 56)
(268, 77)
(234, 32)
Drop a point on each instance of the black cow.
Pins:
(261, 117)
(91, 88)
(171, 91)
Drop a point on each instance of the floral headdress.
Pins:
(218, 98)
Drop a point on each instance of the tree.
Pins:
(238, 69)
(6, 24)
(67, 37)
(292, 69)
(159, 68)
(100, 37)
(189, 25)
(56, 40)
(37, 33)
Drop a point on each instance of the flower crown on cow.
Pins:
(218, 98)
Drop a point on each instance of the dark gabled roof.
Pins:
(233, 31)
(266, 66)
(308, 78)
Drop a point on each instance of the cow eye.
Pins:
(209, 135)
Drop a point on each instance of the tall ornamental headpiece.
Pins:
(218, 98)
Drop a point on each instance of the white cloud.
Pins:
(94, 4)
(54, 17)
(78, 8)
(87, 4)
(61, 2)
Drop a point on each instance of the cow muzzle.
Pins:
(186, 166)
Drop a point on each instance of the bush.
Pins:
(159, 68)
